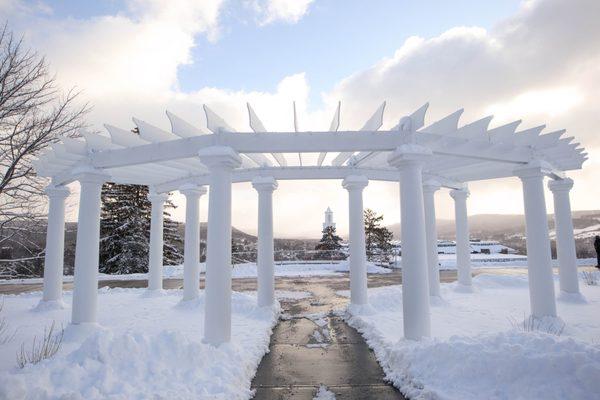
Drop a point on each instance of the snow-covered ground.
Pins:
(246, 270)
(145, 347)
(479, 348)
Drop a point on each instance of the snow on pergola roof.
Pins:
(167, 160)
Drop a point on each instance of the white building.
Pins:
(477, 246)
(328, 219)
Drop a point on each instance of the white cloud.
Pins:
(547, 103)
(289, 11)
(539, 66)
(113, 55)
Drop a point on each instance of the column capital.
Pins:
(57, 191)
(353, 182)
(91, 176)
(264, 183)
(220, 157)
(431, 186)
(408, 154)
(560, 185)
(459, 194)
(533, 169)
(157, 197)
(190, 189)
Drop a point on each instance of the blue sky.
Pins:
(334, 39)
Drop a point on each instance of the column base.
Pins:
(462, 288)
(48, 305)
(79, 332)
(361, 309)
(188, 304)
(437, 301)
(567, 297)
(214, 343)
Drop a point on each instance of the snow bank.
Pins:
(145, 348)
(476, 352)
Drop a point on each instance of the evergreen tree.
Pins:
(125, 230)
(372, 226)
(384, 243)
(378, 239)
(329, 244)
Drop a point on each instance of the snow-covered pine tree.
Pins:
(125, 230)
(329, 244)
(172, 241)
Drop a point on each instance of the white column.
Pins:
(355, 184)
(463, 243)
(565, 242)
(409, 160)
(55, 244)
(429, 189)
(539, 261)
(217, 315)
(85, 288)
(265, 262)
(191, 245)
(155, 258)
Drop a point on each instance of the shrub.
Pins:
(590, 278)
(533, 324)
(41, 350)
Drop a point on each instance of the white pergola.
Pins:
(421, 158)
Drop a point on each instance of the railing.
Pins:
(293, 256)
(283, 257)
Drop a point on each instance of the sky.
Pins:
(538, 61)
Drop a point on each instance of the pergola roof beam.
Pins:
(258, 127)
(372, 124)
(445, 125)
(333, 127)
(285, 142)
(418, 120)
(306, 172)
(182, 128)
(158, 157)
(124, 138)
(218, 126)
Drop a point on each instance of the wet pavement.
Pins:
(312, 346)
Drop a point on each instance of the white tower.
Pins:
(328, 219)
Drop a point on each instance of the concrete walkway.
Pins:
(312, 346)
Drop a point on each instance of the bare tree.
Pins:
(33, 115)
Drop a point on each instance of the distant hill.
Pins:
(509, 229)
(243, 241)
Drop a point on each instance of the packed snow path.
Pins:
(312, 346)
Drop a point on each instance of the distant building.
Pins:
(328, 219)
(477, 247)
